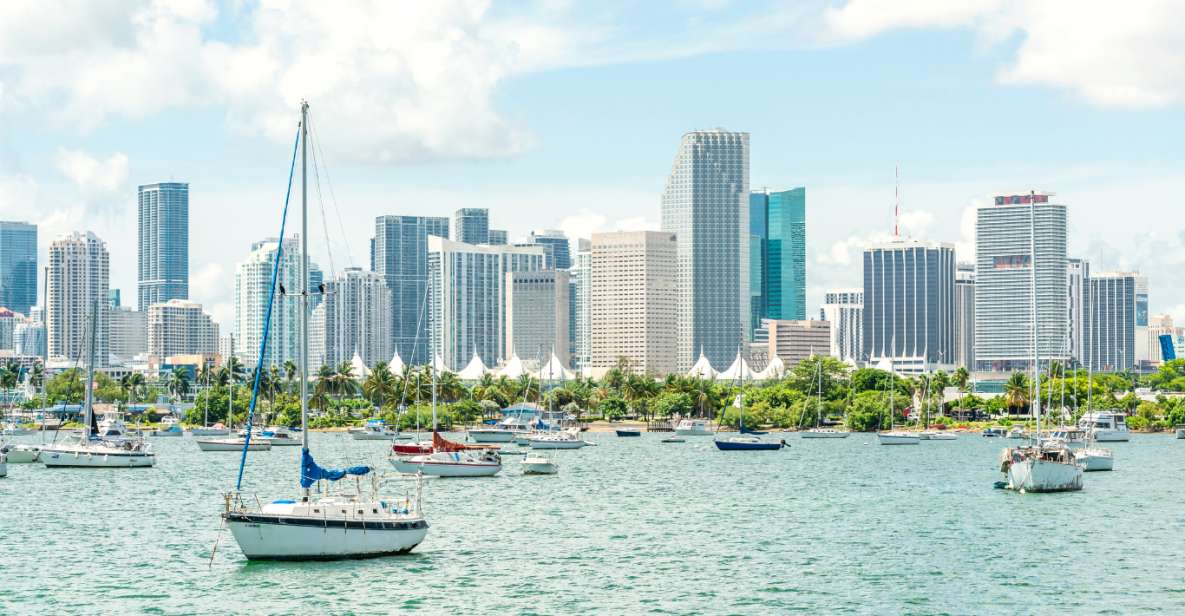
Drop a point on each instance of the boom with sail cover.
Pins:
(311, 473)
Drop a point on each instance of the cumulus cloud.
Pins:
(90, 174)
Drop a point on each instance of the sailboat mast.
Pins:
(90, 372)
(304, 276)
(1033, 304)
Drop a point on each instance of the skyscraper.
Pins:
(558, 242)
(965, 316)
(1003, 283)
(79, 275)
(537, 306)
(128, 332)
(180, 327)
(758, 283)
(401, 258)
(706, 205)
(253, 278)
(844, 309)
(355, 317)
(18, 266)
(581, 326)
(1078, 296)
(164, 243)
(785, 255)
(634, 303)
(1112, 314)
(471, 225)
(909, 305)
(498, 237)
(466, 305)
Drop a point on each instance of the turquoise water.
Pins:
(631, 526)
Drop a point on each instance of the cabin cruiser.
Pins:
(374, 430)
(279, 436)
(1105, 427)
(20, 453)
(1074, 438)
(169, 427)
(693, 427)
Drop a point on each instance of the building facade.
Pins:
(18, 266)
(354, 318)
(558, 248)
(180, 327)
(1077, 298)
(498, 237)
(471, 225)
(1111, 331)
(28, 339)
(909, 305)
(163, 254)
(537, 315)
(466, 305)
(844, 310)
(581, 296)
(795, 340)
(1004, 282)
(129, 332)
(401, 258)
(965, 316)
(633, 301)
(79, 276)
(253, 278)
(706, 205)
(785, 255)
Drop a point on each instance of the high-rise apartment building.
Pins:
(180, 327)
(8, 323)
(1162, 325)
(1077, 298)
(354, 318)
(18, 266)
(129, 332)
(634, 304)
(466, 303)
(1112, 314)
(164, 243)
(79, 276)
(401, 258)
(706, 205)
(28, 339)
(471, 225)
(558, 242)
(965, 316)
(537, 311)
(1004, 281)
(253, 279)
(581, 295)
(498, 237)
(909, 305)
(844, 310)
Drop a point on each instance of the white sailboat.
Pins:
(893, 436)
(86, 449)
(819, 431)
(927, 434)
(319, 525)
(1092, 457)
(228, 441)
(1043, 466)
(206, 429)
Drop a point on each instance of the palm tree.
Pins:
(380, 385)
(1016, 390)
(961, 377)
(325, 384)
(450, 388)
(132, 385)
(527, 386)
(344, 380)
(177, 382)
(289, 374)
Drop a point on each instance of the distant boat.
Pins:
(742, 441)
(374, 430)
(539, 464)
(937, 435)
(819, 431)
(693, 427)
(449, 459)
(993, 432)
(1105, 427)
(565, 439)
(233, 443)
(627, 433)
(19, 453)
(169, 427)
(215, 430)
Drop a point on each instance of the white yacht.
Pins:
(1095, 459)
(1105, 427)
(373, 430)
(937, 435)
(693, 427)
(464, 463)
(279, 436)
(898, 437)
(569, 438)
(539, 464)
(112, 427)
(20, 453)
(233, 443)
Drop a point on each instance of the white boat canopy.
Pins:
(702, 368)
(474, 370)
(513, 368)
(554, 370)
(772, 371)
(738, 371)
(360, 369)
(396, 365)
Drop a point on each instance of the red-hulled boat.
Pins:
(439, 443)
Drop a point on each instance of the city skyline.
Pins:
(864, 93)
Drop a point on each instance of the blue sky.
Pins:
(566, 115)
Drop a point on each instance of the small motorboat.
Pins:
(993, 432)
(1095, 459)
(1017, 432)
(170, 430)
(539, 464)
(280, 436)
(937, 435)
(745, 442)
(693, 427)
(674, 439)
(1180, 431)
(566, 439)
(21, 453)
(374, 430)
(628, 433)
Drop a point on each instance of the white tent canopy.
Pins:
(359, 366)
(439, 365)
(513, 368)
(738, 371)
(554, 370)
(773, 370)
(396, 365)
(702, 368)
(474, 370)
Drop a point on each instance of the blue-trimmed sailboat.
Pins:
(317, 524)
(747, 440)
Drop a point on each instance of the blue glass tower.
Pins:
(401, 256)
(164, 243)
(758, 235)
(785, 262)
(18, 266)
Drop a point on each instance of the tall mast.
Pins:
(1033, 293)
(304, 276)
(230, 381)
(90, 371)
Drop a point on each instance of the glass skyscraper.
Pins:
(18, 266)
(401, 257)
(471, 225)
(777, 255)
(560, 252)
(706, 205)
(164, 243)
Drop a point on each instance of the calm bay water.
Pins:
(630, 526)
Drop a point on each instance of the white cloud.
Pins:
(91, 174)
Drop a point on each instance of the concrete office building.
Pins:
(795, 340)
(909, 305)
(633, 303)
(965, 316)
(401, 258)
(79, 278)
(537, 315)
(180, 327)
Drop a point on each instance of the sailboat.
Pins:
(1092, 457)
(317, 525)
(893, 436)
(230, 442)
(87, 449)
(1044, 465)
(744, 441)
(206, 429)
(819, 431)
(927, 434)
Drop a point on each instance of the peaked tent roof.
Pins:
(439, 365)
(702, 368)
(554, 370)
(360, 369)
(474, 369)
(513, 368)
(773, 370)
(739, 370)
(396, 365)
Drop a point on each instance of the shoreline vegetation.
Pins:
(819, 391)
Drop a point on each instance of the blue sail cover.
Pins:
(310, 473)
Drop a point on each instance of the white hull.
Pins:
(226, 444)
(433, 468)
(288, 540)
(372, 436)
(210, 432)
(556, 443)
(693, 432)
(540, 468)
(491, 436)
(897, 438)
(1180, 433)
(1110, 436)
(282, 442)
(824, 433)
(1030, 475)
(937, 436)
(1095, 459)
(54, 458)
(22, 455)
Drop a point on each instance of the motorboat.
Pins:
(373, 430)
(937, 435)
(824, 433)
(112, 428)
(20, 453)
(1044, 467)
(491, 435)
(15, 429)
(994, 432)
(1074, 438)
(233, 443)
(898, 437)
(280, 436)
(539, 464)
(1180, 431)
(674, 439)
(171, 430)
(746, 442)
(693, 427)
(1095, 459)
(1105, 427)
(215, 430)
(1017, 432)
(627, 433)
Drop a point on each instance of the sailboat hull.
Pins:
(824, 433)
(233, 444)
(84, 459)
(437, 468)
(897, 438)
(266, 537)
(1044, 476)
(1093, 459)
(210, 432)
(491, 436)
